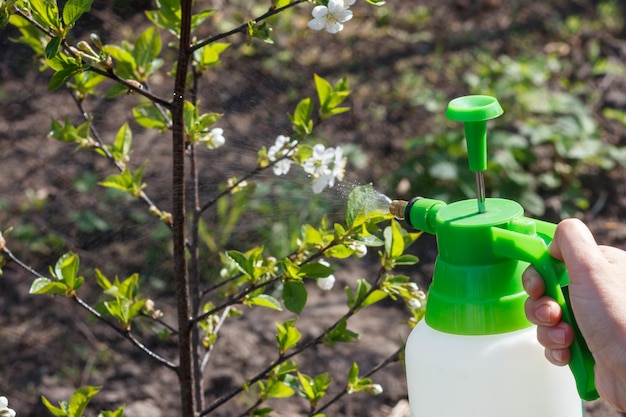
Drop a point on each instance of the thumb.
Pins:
(575, 245)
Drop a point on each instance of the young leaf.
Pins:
(80, 399)
(242, 261)
(340, 334)
(364, 201)
(264, 300)
(53, 46)
(46, 12)
(394, 241)
(150, 117)
(287, 335)
(294, 296)
(55, 411)
(66, 268)
(74, 9)
(117, 413)
(47, 286)
(301, 118)
(315, 270)
(147, 49)
(122, 144)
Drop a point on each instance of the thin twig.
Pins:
(394, 357)
(207, 354)
(125, 333)
(244, 28)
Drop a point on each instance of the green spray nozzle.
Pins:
(474, 111)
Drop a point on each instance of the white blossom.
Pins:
(327, 283)
(282, 148)
(414, 304)
(325, 165)
(331, 17)
(5, 411)
(360, 250)
(375, 389)
(214, 139)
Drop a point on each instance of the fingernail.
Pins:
(558, 336)
(543, 313)
(557, 355)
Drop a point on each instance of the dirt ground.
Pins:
(49, 347)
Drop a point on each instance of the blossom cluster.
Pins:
(5, 411)
(331, 17)
(325, 165)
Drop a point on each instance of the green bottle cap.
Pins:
(474, 291)
(474, 111)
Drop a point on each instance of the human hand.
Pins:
(597, 292)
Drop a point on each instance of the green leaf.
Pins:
(242, 261)
(55, 411)
(166, 16)
(356, 298)
(47, 286)
(126, 181)
(122, 144)
(287, 335)
(315, 270)
(301, 118)
(364, 201)
(74, 9)
(147, 49)
(306, 382)
(80, 399)
(53, 46)
(66, 268)
(294, 296)
(117, 413)
(280, 3)
(394, 240)
(102, 281)
(209, 55)
(324, 89)
(339, 252)
(353, 376)
(260, 31)
(406, 260)
(265, 300)
(150, 117)
(198, 18)
(278, 389)
(46, 13)
(125, 64)
(66, 132)
(340, 334)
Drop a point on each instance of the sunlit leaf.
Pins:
(74, 9)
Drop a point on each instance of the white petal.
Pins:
(316, 24)
(320, 12)
(344, 15)
(326, 283)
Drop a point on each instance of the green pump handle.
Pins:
(531, 245)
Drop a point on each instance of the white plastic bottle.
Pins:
(499, 375)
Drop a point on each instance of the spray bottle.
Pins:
(475, 354)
